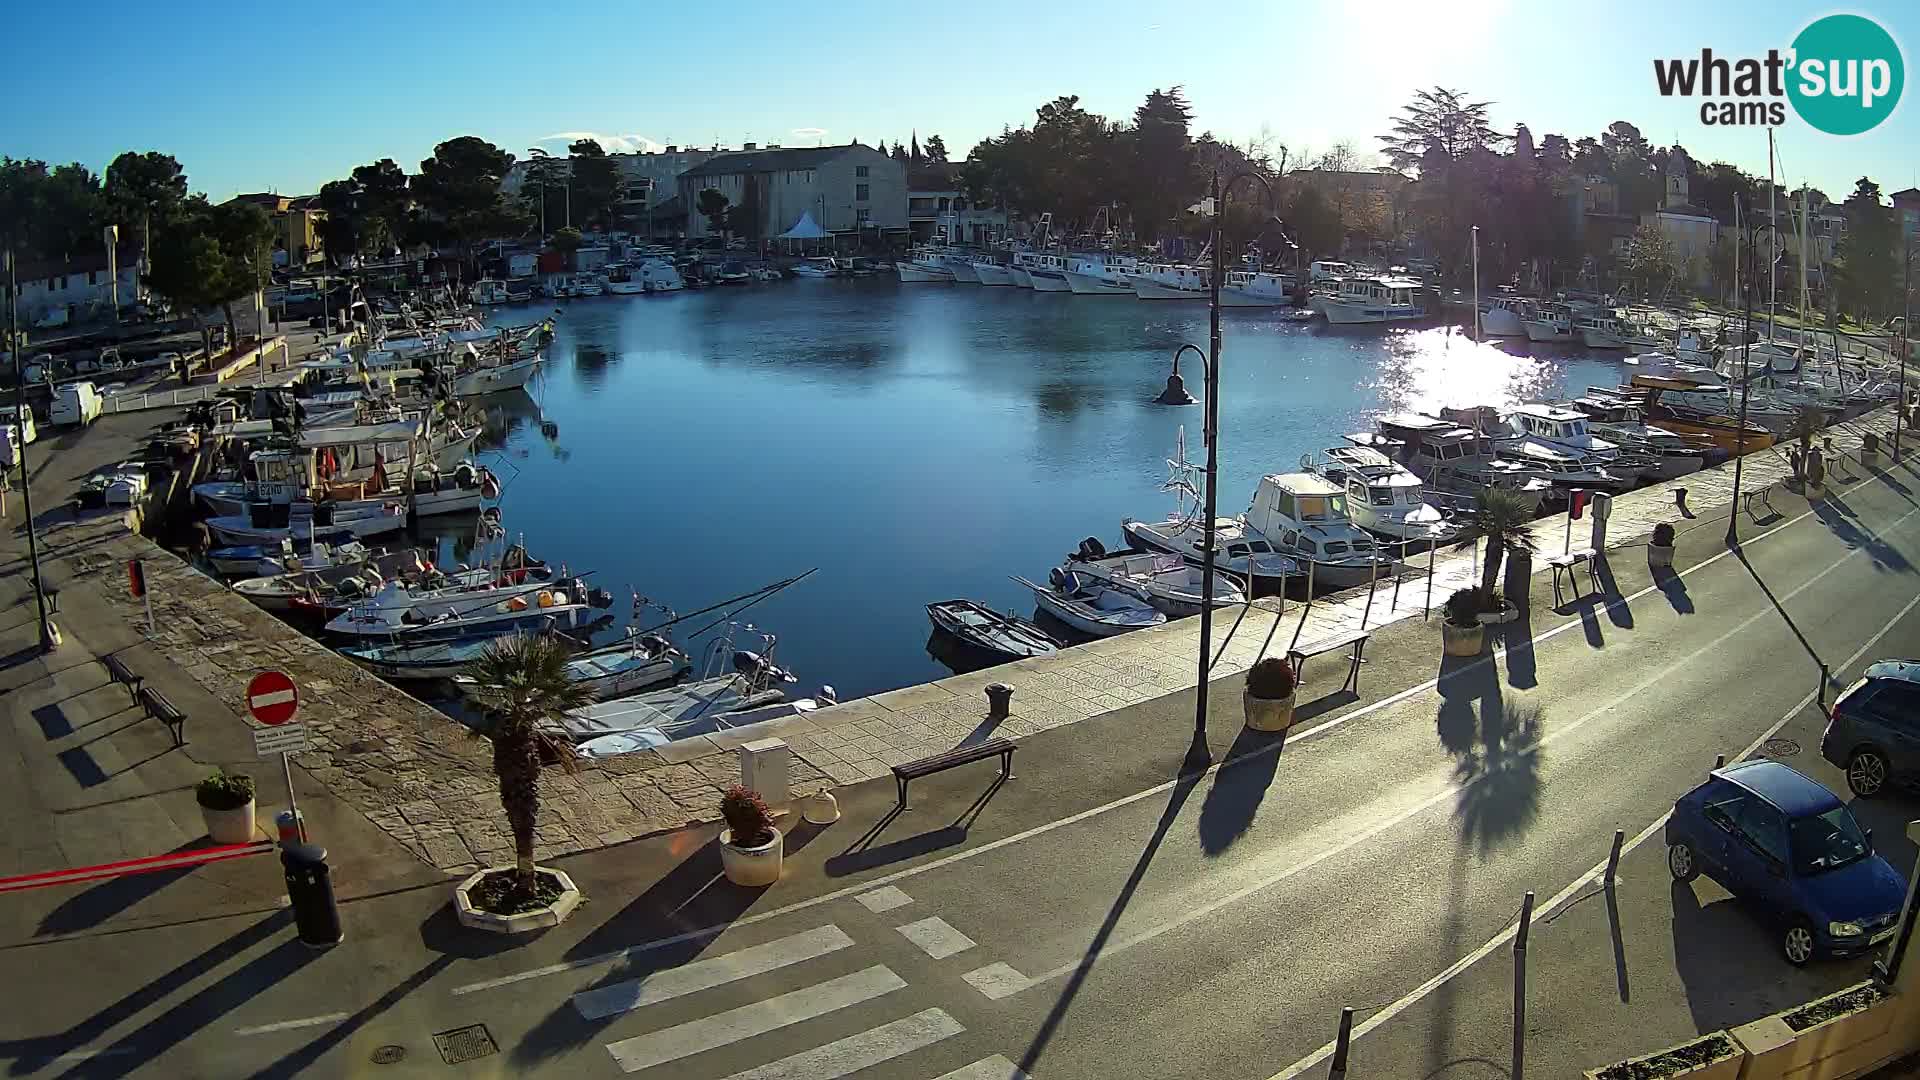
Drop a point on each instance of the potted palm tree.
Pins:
(1816, 476)
(1269, 694)
(1660, 547)
(520, 686)
(1502, 516)
(226, 805)
(1461, 633)
(751, 848)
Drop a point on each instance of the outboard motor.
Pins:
(753, 666)
(1056, 577)
(600, 598)
(1091, 548)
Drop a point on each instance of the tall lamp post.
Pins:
(1906, 332)
(49, 637)
(1198, 753)
(1746, 374)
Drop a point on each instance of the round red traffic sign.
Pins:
(272, 698)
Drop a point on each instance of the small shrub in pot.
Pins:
(1460, 631)
(751, 849)
(1270, 679)
(747, 817)
(1465, 605)
(224, 790)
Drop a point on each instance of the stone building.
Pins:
(848, 191)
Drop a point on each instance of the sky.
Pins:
(253, 98)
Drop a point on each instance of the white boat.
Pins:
(1363, 300)
(1559, 427)
(1235, 551)
(1091, 607)
(925, 265)
(252, 529)
(585, 285)
(1019, 276)
(1384, 497)
(991, 273)
(488, 292)
(821, 267)
(1454, 459)
(1550, 323)
(1166, 581)
(332, 546)
(1256, 288)
(1601, 332)
(1305, 516)
(1502, 316)
(657, 274)
(278, 592)
(1327, 273)
(466, 610)
(1047, 273)
(1621, 422)
(495, 378)
(1101, 275)
(641, 662)
(961, 265)
(1171, 281)
(622, 281)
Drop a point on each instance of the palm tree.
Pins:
(521, 682)
(1502, 516)
(1806, 424)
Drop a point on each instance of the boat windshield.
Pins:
(1380, 496)
(1321, 507)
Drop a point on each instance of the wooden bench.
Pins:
(1297, 655)
(119, 672)
(1569, 564)
(165, 711)
(959, 755)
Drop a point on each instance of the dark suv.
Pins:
(1874, 732)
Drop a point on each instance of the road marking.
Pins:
(605, 1001)
(1566, 894)
(747, 1021)
(1449, 791)
(76, 1056)
(936, 937)
(883, 899)
(993, 1068)
(856, 1052)
(997, 981)
(1042, 829)
(289, 1025)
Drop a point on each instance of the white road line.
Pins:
(605, 1001)
(1447, 792)
(997, 981)
(856, 1052)
(1566, 894)
(289, 1025)
(993, 1068)
(936, 937)
(883, 899)
(76, 1056)
(747, 1021)
(1042, 829)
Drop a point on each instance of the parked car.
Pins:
(1779, 839)
(1873, 730)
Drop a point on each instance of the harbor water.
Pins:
(921, 442)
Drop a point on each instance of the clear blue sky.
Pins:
(277, 97)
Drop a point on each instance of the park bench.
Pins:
(119, 672)
(1568, 565)
(165, 711)
(1297, 655)
(959, 755)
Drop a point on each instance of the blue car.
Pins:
(1778, 839)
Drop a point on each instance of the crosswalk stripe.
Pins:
(997, 980)
(993, 1068)
(856, 1052)
(936, 937)
(758, 1018)
(605, 1001)
(884, 898)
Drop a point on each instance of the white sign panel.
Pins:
(285, 739)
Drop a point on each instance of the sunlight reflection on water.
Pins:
(1426, 370)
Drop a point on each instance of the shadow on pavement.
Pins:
(1238, 788)
(1720, 948)
(1619, 944)
(861, 855)
(1840, 520)
(1500, 777)
(1740, 553)
(1674, 588)
(1888, 818)
(91, 907)
(1617, 610)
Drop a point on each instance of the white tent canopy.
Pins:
(804, 229)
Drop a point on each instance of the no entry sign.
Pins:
(271, 698)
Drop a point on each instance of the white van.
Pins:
(10, 415)
(74, 403)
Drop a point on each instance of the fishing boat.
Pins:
(820, 267)
(990, 271)
(268, 524)
(279, 591)
(1601, 332)
(315, 551)
(1171, 281)
(1168, 582)
(1249, 558)
(1256, 288)
(988, 635)
(1091, 607)
(1364, 300)
(1384, 497)
(1304, 516)
(399, 609)
(1101, 275)
(1453, 459)
(1047, 273)
(1550, 323)
(925, 265)
(1502, 316)
(488, 292)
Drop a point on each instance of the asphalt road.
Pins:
(1100, 921)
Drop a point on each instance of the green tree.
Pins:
(1160, 156)
(596, 184)
(20, 183)
(1439, 118)
(68, 213)
(459, 188)
(934, 150)
(1649, 263)
(142, 186)
(566, 241)
(521, 687)
(1315, 222)
(245, 235)
(1502, 516)
(1868, 279)
(712, 205)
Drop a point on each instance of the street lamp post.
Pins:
(1746, 383)
(47, 633)
(1906, 331)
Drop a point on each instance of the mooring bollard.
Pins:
(1340, 1044)
(1613, 860)
(999, 700)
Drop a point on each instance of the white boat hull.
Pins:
(1148, 289)
(992, 274)
(1089, 285)
(1547, 332)
(1235, 296)
(235, 531)
(1021, 279)
(492, 380)
(1499, 322)
(1595, 339)
(916, 272)
(963, 272)
(1341, 313)
(1049, 281)
(626, 288)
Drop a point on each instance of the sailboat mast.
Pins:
(1774, 246)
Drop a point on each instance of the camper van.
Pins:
(74, 403)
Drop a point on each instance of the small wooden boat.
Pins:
(989, 634)
(1091, 607)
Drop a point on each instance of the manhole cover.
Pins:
(388, 1054)
(1782, 747)
(465, 1044)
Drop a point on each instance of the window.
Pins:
(859, 170)
(944, 204)
(1290, 539)
(1335, 547)
(862, 215)
(1896, 703)
(93, 277)
(1765, 827)
(1827, 842)
(860, 193)
(1380, 496)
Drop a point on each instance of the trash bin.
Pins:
(310, 888)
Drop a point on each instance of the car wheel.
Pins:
(1796, 942)
(1867, 773)
(1681, 863)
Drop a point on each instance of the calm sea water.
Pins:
(920, 442)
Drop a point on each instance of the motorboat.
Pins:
(991, 272)
(1256, 288)
(277, 592)
(488, 292)
(261, 526)
(1384, 497)
(315, 551)
(1691, 408)
(1166, 581)
(1560, 427)
(925, 265)
(1368, 299)
(1304, 516)
(398, 608)
(989, 635)
(1171, 281)
(1101, 275)
(1047, 273)
(1454, 460)
(820, 267)
(1092, 607)
(495, 378)
(1621, 422)
(1251, 559)
(482, 617)
(1601, 332)
(641, 662)
(1502, 316)
(1550, 323)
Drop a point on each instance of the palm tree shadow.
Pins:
(1499, 777)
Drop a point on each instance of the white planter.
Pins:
(553, 914)
(752, 866)
(1844, 1045)
(1462, 640)
(1268, 714)
(1659, 557)
(230, 826)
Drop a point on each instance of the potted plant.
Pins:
(226, 805)
(1269, 694)
(1660, 547)
(1816, 484)
(1498, 610)
(1502, 516)
(1713, 1056)
(751, 848)
(520, 688)
(1870, 449)
(1460, 631)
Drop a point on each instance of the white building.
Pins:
(647, 179)
(55, 292)
(937, 206)
(1690, 230)
(847, 190)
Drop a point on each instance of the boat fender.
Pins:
(489, 485)
(545, 598)
(491, 515)
(519, 603)
(1092, 548)
(465, 476)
